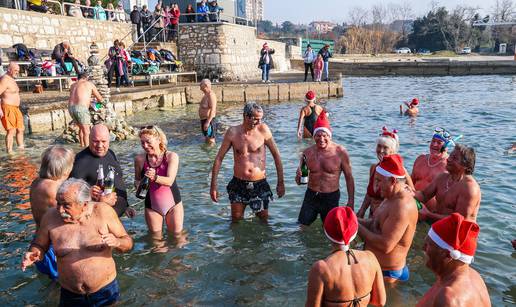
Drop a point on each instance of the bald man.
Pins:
(87, 163)
(208, 111)
(10, 114)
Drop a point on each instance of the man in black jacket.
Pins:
(136, 19)
(63, 53)
(146, 19)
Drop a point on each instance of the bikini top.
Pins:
(356, 301)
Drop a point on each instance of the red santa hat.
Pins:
(414, 102)
(310, 96)
(322, 124)
(456, 235)
(391, 166)
(265, 45)
(341, 226)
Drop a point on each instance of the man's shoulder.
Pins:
(103, 209)
(420, 159)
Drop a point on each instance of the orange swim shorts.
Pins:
(13, 118)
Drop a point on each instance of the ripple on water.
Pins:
(255, 264)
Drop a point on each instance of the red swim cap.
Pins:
(414, 102)
(310, 95)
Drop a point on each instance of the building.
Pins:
(250, 9)
(321, 26)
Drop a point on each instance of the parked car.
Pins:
(405, 50)
(465, 50)
(424, 51)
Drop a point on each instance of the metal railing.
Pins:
(216, 17)
(116, 13)
(18, 5)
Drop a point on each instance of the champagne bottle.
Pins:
(109, 183)
(143, 188)
(304, 171)
(100, 177)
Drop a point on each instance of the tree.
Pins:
(287, 27)
(265, 26)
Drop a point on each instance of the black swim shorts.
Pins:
(317, 203)
(256, 194)
(212, 128)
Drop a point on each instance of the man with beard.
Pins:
(449, 249)
(249, 185)
(325, 160)
(455, 191)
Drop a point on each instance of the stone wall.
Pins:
(44, 31)
(280, 57)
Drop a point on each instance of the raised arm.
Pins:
(393, 229)
(269, 142)
(350, 181)
(224, 147)
(96, 93)
(315, 289)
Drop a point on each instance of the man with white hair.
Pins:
(449, 249)
(326, 160)
(10, 114)
(84, 234)
(208, 111)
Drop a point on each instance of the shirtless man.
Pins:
(326, 160)
(84, 234)
(428, 166)
(79, 104)
(449, 249)
(390, 232)
(208, 111)
(56, 165)
(10, 114)
(346, 277)
(455, 191)
(249, 184)
(412, 109)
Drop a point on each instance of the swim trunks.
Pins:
(256, 194)
(212, 128)
(13, 117)
(316, 203)
(106, 296)
(401, 275)
(80, 114)
(48, 265)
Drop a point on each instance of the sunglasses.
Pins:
(442, 132)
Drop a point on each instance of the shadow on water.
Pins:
(258, 264)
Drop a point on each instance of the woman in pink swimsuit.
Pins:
(163, 200)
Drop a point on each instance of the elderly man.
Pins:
(449, 249)
(326, 161)
(348, 277)
(63, 53)
(455, 191)
(79, 104)
(56, 165)
(84, 234)
(87, 163)
(10, 114)
(390, 232)
(428, 166)
(249, 185)
(208, 111)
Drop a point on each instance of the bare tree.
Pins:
(358, 16)
(504, 10)
(379, 14)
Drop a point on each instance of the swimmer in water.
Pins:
(308, 116)
(412, 109)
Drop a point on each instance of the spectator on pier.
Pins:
(119, 13)
(265, 62)
(159, 15)
(126, 64)
(190, 11)
(110, 12)
(75, 10)
(202, 11)
(215, 10)
(38, 6)
(115, 64)
(309, 58)
(63, 53)
(318, 67)
(146, 18)
(326, 55)
(136, 19)
(87, 12)
(167, 15)
(174, 20)
(99, 12)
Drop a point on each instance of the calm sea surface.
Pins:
(255, 264)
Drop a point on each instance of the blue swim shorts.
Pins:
(401, 275)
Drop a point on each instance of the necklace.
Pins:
(448, 183)
(433, 165)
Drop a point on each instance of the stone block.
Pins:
(6, 40)
(233, 93)
(58, 119)
(320, 89)
(332, 89)
(40, 122)
(273, 92)
(298, 90)
(193, 94)
(283, 92)
(258, 93)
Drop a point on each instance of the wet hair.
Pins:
(157, 132)
(82, 195)
(468, 158)
(83, 75)
(252, 107)
(56, 161)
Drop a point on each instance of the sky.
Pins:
(305, 11)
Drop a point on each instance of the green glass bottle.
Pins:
(304, 171)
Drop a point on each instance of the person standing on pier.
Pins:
(455, 191)
(208, 111)
(265, 63)
(325, 161)
(309, 58)
(326, 55)
(449, 249)
(249, 185)
(81, 93)
(10, 114)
